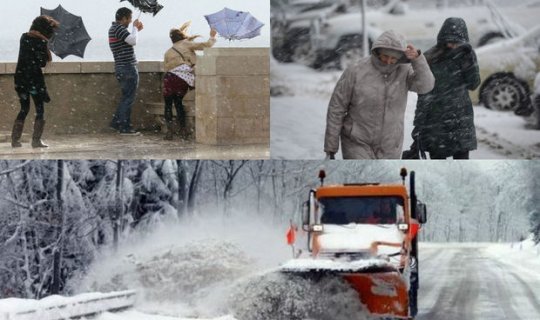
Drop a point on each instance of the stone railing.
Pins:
(232, 97)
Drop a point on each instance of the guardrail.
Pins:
(58, 308)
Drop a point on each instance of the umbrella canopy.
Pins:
(234, 25)
(71, 36)
(148, 6)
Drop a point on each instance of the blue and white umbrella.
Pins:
(234, 25)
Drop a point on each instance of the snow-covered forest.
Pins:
(57, 216)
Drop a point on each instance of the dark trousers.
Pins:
(24, 99)
(461, 155)
(180, 113)
(128, 77)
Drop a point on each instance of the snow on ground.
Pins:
(136, 315)
(211, 267)
(478, 281)
(523, 256)
(189, 270)
(458, 280)
(298, 119)
(60, 307)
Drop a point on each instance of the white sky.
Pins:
(153, 40)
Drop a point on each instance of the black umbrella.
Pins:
(149, 6)
(71, 36)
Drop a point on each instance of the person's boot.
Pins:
(39, 125)
(16, 134)
(170, 131)
(183, 131)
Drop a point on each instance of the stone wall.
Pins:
(233, 96)
(84, 96)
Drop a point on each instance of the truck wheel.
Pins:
(502, 93)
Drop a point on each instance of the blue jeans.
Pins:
(128, 77)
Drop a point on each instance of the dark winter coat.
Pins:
(33, 55)
(444, 120)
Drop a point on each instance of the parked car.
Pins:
(291, 23)
(338, 38)
(508, 69)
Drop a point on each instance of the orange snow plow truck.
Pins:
(366, 234)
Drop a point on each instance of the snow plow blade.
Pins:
(383, 293)
(380, 287)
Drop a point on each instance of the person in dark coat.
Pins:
(444, 119)
(29, 80)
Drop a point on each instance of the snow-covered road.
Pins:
(477, 282)
(298, 119)
(483, 281)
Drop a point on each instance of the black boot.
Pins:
(16, 134)
(39, 125)
(170, 131)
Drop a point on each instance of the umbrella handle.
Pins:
(140, 12)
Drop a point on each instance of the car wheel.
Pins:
(349, 56)
(281, 54)
(503, 93)
(490, 37)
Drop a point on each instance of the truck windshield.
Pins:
(362, 210)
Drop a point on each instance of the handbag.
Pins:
(185, 71)
(415, 152)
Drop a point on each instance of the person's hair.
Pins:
(123, 13)
(176, 35)
(45, 25)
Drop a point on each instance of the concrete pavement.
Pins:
(149, 145)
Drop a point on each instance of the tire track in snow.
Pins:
(498, 290)
(531, 296)
(468, 283)
(504, 147)
(516, 282)
(456, 297)
(431, 259)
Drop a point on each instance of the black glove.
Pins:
(465, 53)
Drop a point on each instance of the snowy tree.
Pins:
(57, 215)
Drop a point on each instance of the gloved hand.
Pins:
(467, 56)
(330, 156)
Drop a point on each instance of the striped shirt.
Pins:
(123, 53)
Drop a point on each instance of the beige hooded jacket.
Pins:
(367, 107)
(187, 48)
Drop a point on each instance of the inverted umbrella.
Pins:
(71, 36)
(149, 6)
(234, 25)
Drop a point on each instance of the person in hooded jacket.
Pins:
(367, 107)
(29, 80)
(179, 62)
(444, 118)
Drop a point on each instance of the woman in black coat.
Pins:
(29, 80)
(444, 119)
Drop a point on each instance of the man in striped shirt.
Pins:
(121, 42)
